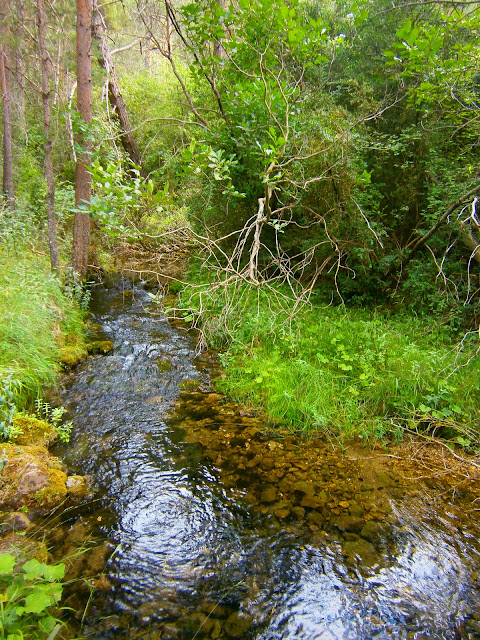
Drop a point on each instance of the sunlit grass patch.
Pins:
(36, 319)
(348, 373)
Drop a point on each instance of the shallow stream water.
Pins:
(210, 528)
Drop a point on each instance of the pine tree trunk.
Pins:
(5, 87)
(20, 71)
(46, 65)
(81, 230)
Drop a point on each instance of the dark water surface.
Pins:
(216, 530)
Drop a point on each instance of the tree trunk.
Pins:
(20, 71)
(81, 229)
(5, 87)
(46, 65)
(115, 97)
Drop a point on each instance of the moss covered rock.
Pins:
(15, 521)
(33, 431)
(100, 347)
(31, 478)
(71, 355)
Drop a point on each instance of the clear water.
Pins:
(198, 548)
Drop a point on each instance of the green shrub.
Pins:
(29, 592)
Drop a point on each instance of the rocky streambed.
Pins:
(205, 525)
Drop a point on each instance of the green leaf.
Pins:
(34, 568)
(54, 572)
(37, 602)
(47, 624)
(7, 562)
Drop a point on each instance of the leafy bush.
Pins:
(29, 593)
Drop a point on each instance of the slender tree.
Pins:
(20, 67)
(5, 86)
(46, 66)
(81, 230)
(115, 97)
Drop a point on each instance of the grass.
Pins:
(345, 373)
(36, 320)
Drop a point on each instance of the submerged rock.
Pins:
(348, 523)
(238, 624)
(373, 531)
(304, 487)
(77, 487)
(15, 521)
(361, 550)
(269, 494)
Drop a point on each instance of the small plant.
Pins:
(28, 593)
(75, 290)
(54, 417)
(8, 407)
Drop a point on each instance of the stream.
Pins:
(209, 528)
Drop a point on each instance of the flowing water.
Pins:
(215, 530)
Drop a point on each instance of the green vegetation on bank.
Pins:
(30, 590)
(38, 319)
(341, 372)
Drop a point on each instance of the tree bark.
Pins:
(46, 66)
(81, 229)
(5, 87)
(20, 71)
(115, 97)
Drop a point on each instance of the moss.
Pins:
(71, 355)
(163, 364)
(100, 346)
(54, 493)
(34, 431)
(175, 287)
(31, 478)
(189, 385)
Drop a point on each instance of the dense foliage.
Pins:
(313, 153)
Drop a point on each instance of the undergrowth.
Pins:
(344, 373)
(30, 591)
(36, 320)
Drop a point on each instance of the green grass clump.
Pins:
(346, 373)
(36, 320)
